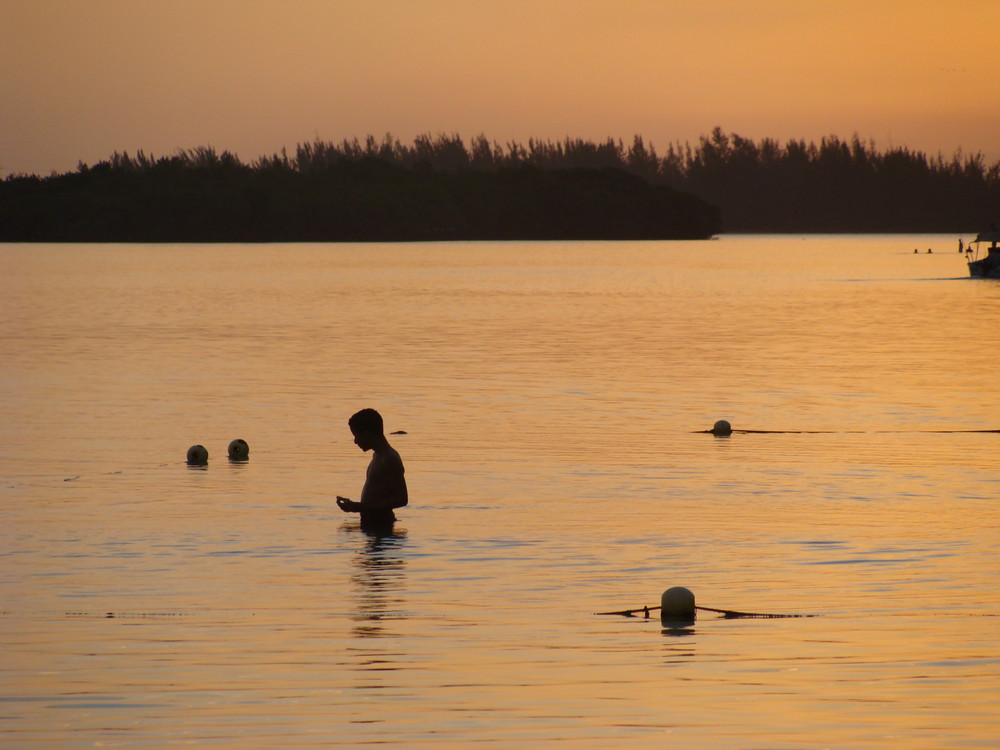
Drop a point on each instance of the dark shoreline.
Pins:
(353, 202)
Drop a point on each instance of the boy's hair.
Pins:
(366, 420)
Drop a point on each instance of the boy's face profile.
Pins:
(364, 439)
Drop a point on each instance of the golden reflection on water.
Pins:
(553, 397)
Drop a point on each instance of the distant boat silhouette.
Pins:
(987, 267)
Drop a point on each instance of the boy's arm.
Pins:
(348, 506)
(398, 496)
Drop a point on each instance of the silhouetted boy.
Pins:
(385, 487)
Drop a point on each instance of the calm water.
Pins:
(551, 394)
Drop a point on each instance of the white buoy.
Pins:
(722, 427)
(197, 455)
(239, 450)
(677, 605)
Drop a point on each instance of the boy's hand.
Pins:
(348, 506)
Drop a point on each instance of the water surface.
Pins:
(552, 396)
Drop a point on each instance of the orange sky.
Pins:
(80, 79)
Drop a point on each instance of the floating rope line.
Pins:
(843, 432)
(728, 614)
(79, 614)
(723, 428)
(124, 615)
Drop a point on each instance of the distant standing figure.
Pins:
(385, 486)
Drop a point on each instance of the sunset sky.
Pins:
(80, 79)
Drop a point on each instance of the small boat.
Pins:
(987, 267)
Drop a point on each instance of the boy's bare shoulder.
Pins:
(389, 459)
(393, 458)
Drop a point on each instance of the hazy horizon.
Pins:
(81, 80)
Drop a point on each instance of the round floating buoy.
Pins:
(197, 456)
(239, 450)
(677, 605)
(722, 427)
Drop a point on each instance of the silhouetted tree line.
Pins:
(442, 188)
(383, 191)
(836, 186)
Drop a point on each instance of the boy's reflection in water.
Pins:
(380, 577)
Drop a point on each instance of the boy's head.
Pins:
(366, 426)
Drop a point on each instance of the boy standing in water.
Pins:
(385, 487)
